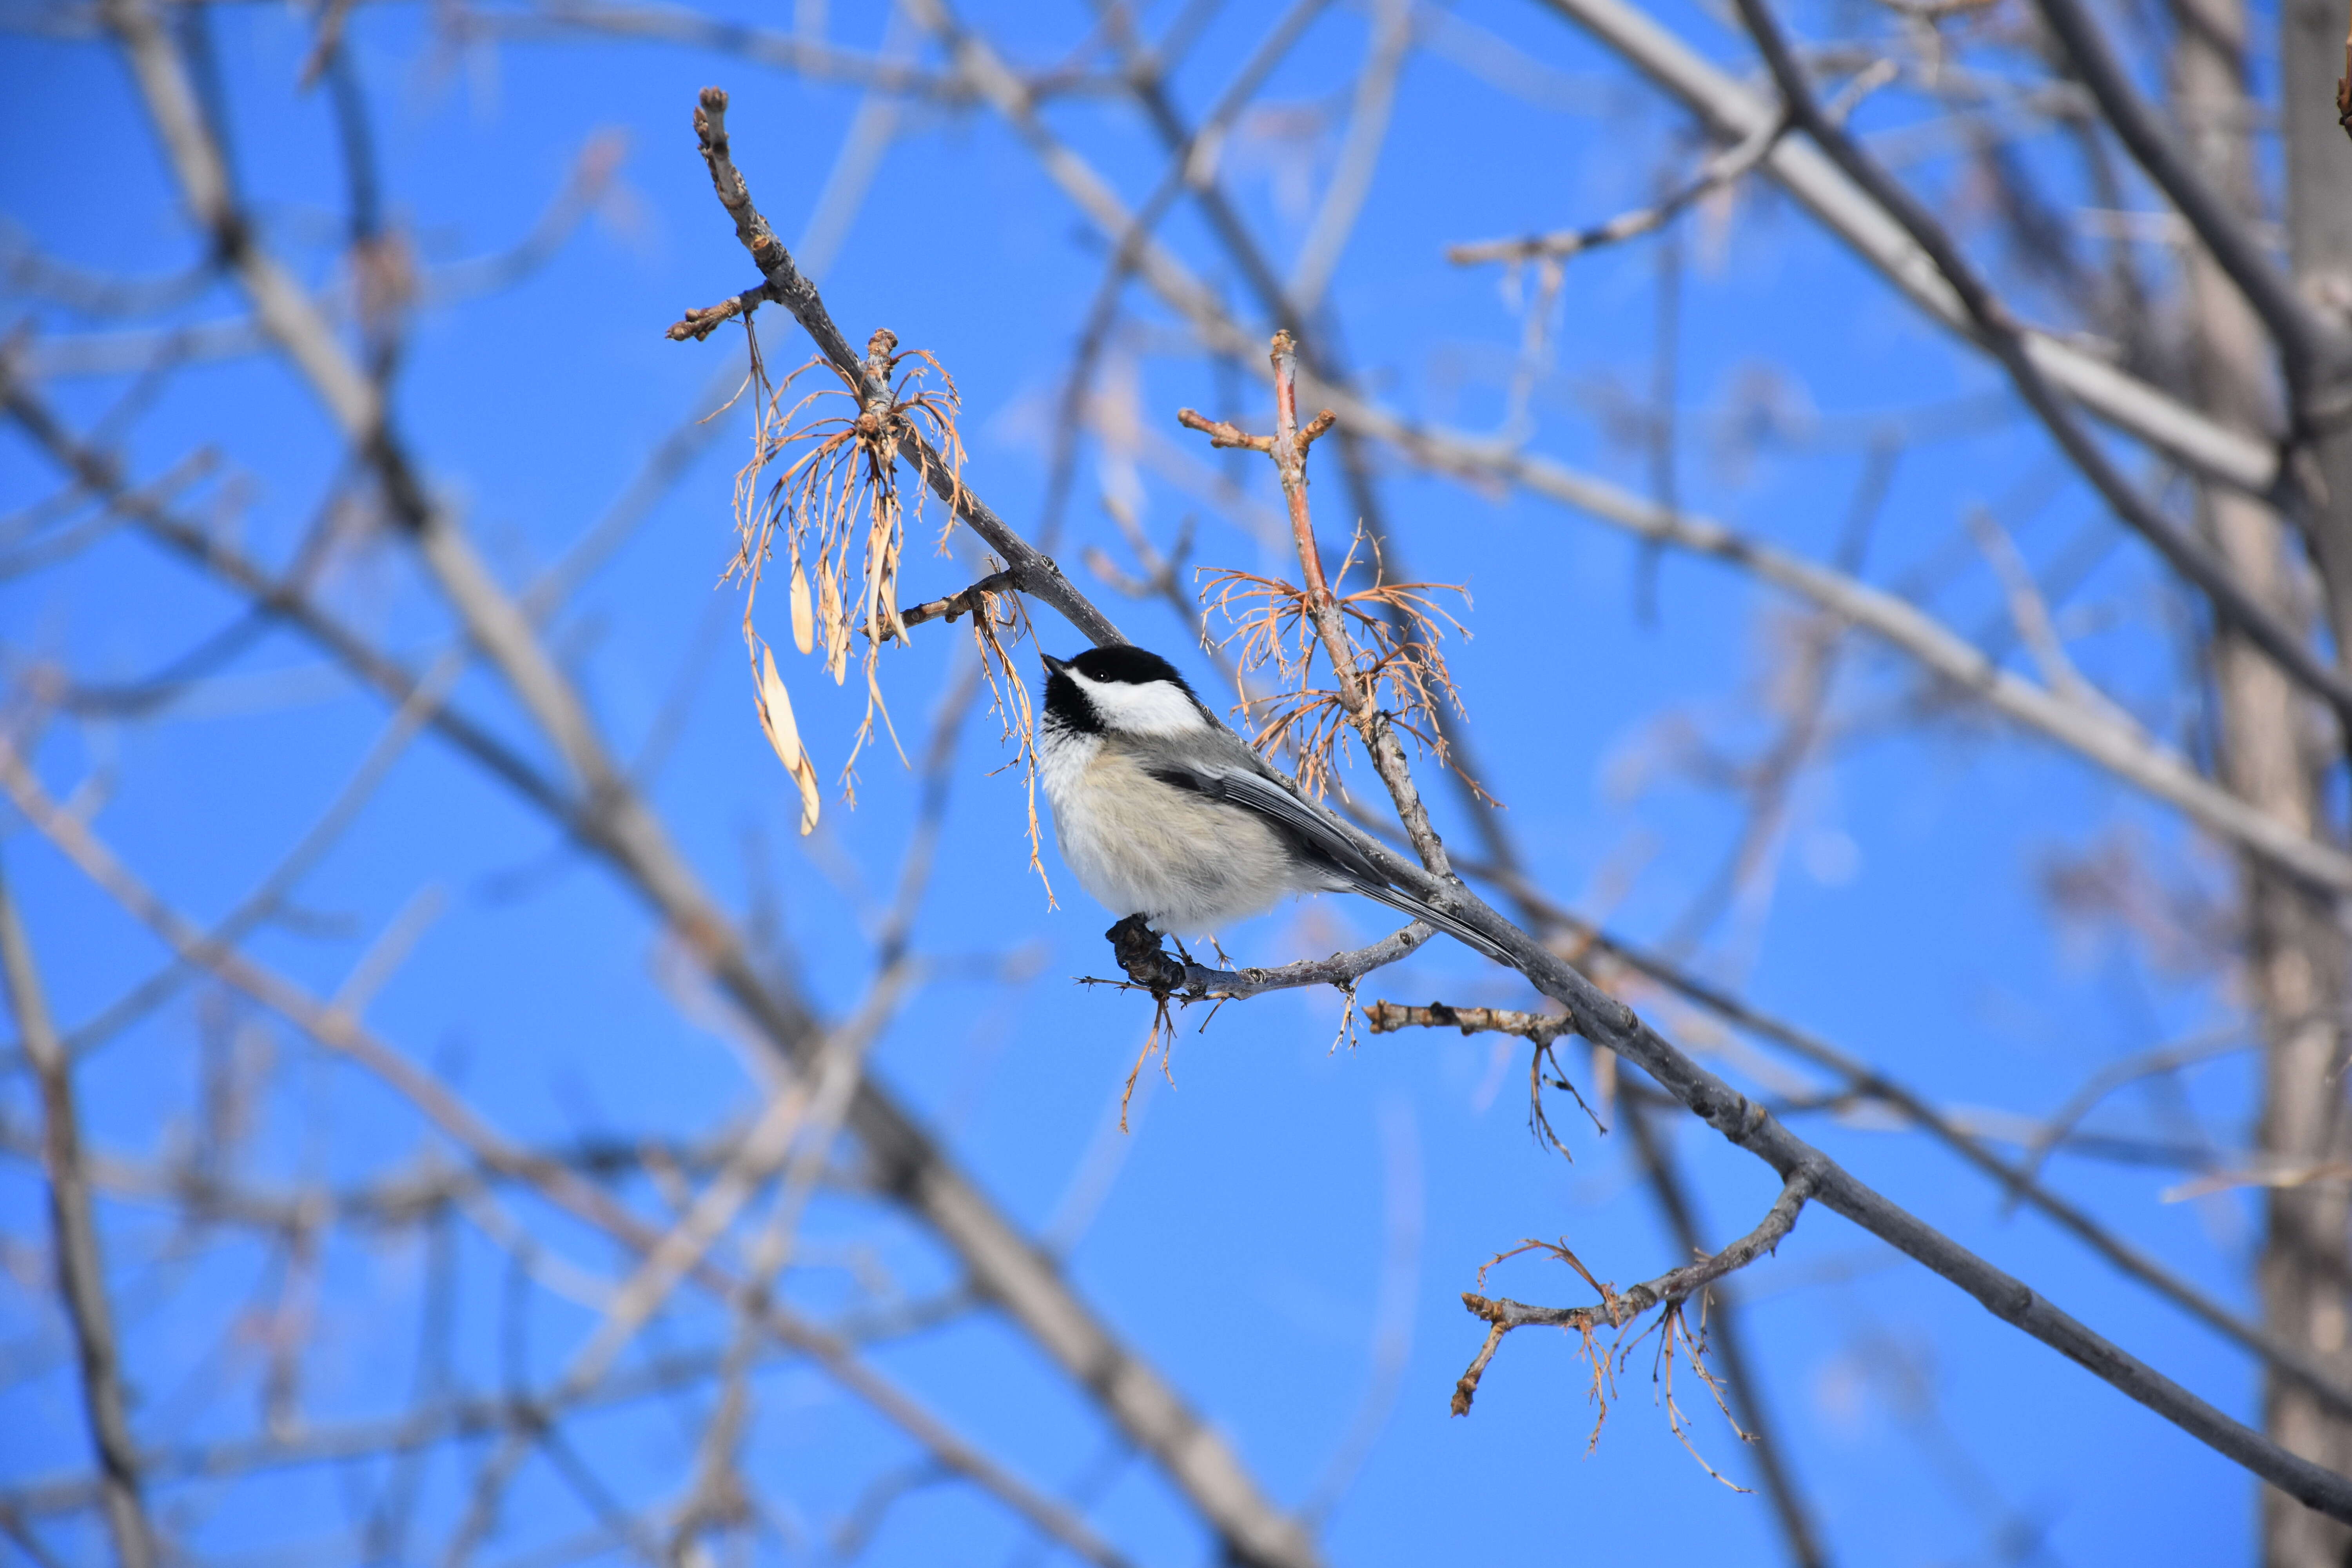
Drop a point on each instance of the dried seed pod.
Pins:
(804, 616)
(775, 705)
(833, 618)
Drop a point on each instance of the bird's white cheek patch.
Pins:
(1155, 710)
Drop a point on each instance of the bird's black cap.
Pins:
(1121, 664)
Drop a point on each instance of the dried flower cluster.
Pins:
(843, 518)
(1678, 1342)
(1394, 630)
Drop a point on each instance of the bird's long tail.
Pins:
(1405, 903)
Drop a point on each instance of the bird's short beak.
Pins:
(1054, 666)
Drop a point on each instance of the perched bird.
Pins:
(1164, 812)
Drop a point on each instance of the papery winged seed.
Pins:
(804, 618)
(775, 705)
(832, 619)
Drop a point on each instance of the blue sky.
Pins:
(1242, 1245)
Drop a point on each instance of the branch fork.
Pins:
(1617, 1308)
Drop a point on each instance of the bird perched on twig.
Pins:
(1162, 811)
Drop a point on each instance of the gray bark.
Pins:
(2296, 968)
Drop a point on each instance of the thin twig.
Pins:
(1727, 167)
(1726, 1335)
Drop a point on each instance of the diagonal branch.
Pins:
(339, 1031)
(2311, 352)
(2006, 340)
(1730, 110)
(81, 1272)
(1039, 575)
(1860, 1078)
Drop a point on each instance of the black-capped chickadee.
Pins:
(1162, 811)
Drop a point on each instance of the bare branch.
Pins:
(1724, 1328)
(81, 1269)
(1039, 577)
(1387, 1017)
(2002, 336)
(699, 323)
(1138, 952)
(1861, 1078)
(2313, 353)
(956, 606)
(1617, 1308)
(2113, 1076)
(1730, 110)
(341, 1033)
(1727, 168)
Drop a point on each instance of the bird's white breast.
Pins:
(1143, 847)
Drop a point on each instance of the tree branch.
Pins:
(1138, 950)
(2016, 1179)
(1725, 1326)
(1387, 1017)
(1615, 1309)
(81, 1270)
(2312, 354)
(1039, 575)
(2002, 336)
(1727, 167)
(1731, 111)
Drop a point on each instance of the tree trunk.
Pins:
(2295, 959)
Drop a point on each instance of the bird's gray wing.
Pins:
(1239, 783)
